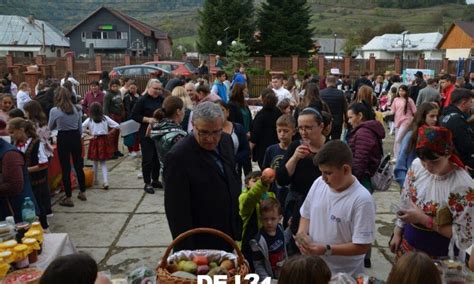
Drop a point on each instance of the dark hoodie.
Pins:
(365, 142)
(166, 133)
(463, 134)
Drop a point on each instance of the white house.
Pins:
(25, 36)
(387, 46)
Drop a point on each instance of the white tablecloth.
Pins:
(54, 245)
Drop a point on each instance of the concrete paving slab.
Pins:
(89, 229)
(153, 203)
(124, 260)
(98, 254)
(383, 200)
(380, 265)
(146, 230)
(108, 201)
(383, 229)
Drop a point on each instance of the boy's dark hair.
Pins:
(74, 269)
(460, 95)
(305, 269)
(219, 73)
(95, 83)
(252, 175)
(335, 154)
(114, 82)
(286, 120)
(16, 112)
(270, 204)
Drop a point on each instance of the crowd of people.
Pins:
(322, 136)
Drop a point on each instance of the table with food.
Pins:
(26, 250)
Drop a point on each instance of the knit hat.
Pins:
(439, 140)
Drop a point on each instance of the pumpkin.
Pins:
(89, 176)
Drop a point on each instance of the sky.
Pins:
(470, 1)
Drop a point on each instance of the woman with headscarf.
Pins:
(437, 199)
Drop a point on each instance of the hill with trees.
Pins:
(180, 18)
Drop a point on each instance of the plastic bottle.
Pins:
(28, 212)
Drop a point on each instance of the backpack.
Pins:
(383, 177)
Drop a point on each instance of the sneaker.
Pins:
(105, 186)
(149, 189)
(82, 196)
(157, 184)
(367, 263)
(118, 154)
(66, 202)
(50, 215)
(132, 154)
(140, 175)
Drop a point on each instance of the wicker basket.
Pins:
(163, 275)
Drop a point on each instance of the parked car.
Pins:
(175, 67)
(137, 70)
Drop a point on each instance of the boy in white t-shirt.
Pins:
(338, 214)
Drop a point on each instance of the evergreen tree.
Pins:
(237, 55)
(284, 28)
(225, 20)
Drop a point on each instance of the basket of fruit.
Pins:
(185, 266)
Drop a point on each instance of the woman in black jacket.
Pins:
(264, 126)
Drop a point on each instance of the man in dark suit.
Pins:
(337, 103)
(201, 184)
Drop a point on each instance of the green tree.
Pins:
(237, 55)
(284, 28)
(225, 21)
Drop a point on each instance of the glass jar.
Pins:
(4, 267)
(35, 234)
(8, 245)
(21, 256)
(7, 256)
(37, 226)
(21, 229)
(33, 247)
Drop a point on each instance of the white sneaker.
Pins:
(140, 175)
(132, 154)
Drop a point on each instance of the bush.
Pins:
(301, 73)
(313, 71)
(255, 71)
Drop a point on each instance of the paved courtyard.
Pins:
(124, 228)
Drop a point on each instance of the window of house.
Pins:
(96, 35)
(58, 53)
(105, 35)
(122, 35)
(83, 35)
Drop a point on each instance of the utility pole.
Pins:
(43, 46)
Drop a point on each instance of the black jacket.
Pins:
(337, 103)
(198, 195)
(463, 134)
(145, 107)
(264, 131)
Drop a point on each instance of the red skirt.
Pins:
(99, 149)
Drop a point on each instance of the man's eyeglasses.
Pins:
(208, 134)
